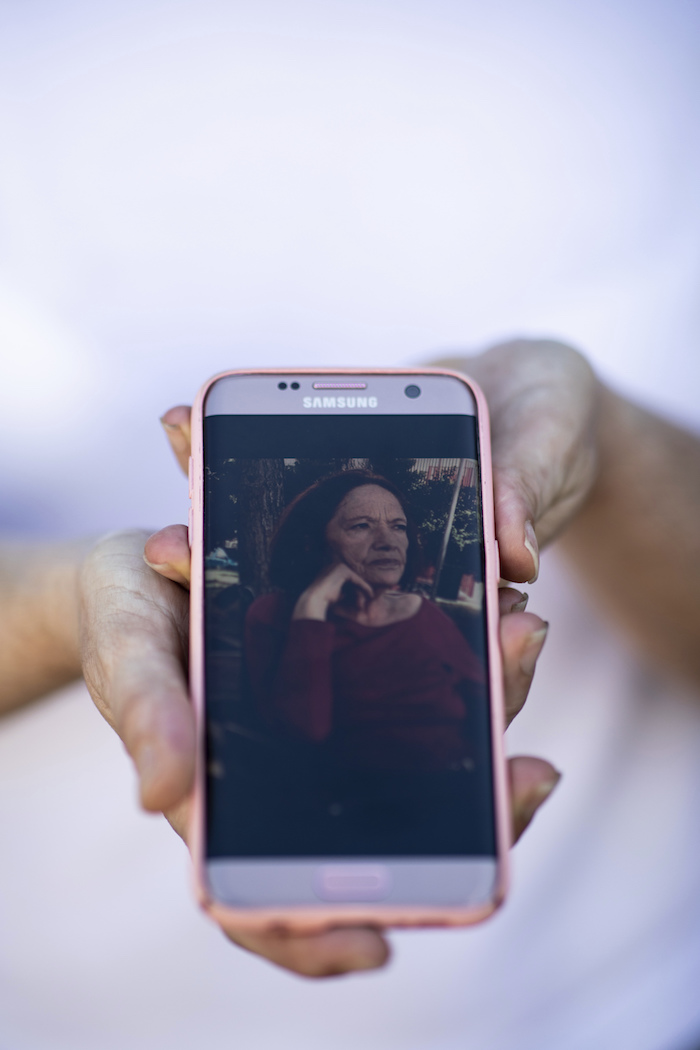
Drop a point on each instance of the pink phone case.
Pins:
(311, 919)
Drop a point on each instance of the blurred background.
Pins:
(193, 186)
(187, 187)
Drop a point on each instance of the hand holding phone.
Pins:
(344, 660)
(532, 476)
(347, 949)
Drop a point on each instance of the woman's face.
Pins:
(368, 533)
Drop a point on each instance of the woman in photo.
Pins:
(344, 651)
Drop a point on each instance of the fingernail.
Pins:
(157, 566)
(522, 604)
(534, 799)
(175, 435)
(532, 547)
(532, 650)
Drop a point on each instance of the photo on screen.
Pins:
(346, 733)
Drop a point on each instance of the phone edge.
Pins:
(308, 920)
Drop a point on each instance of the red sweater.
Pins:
(389, 697)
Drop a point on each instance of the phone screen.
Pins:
(333, 731)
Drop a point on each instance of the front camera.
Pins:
(412, 391)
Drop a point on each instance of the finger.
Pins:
(168, 553)
(511, 601)
(532, 781)
(517, 536)
(541, 397)
(153, 716)
(133, 642)
(363, 586)
(516, 492)
(522, 638)
(328, 954)
(176, 424)
(180, 818)
(353, 577)
(343, 951)
(543, 450)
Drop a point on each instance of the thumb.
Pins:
(542, 398)
(167, 551)
(153, 716)
(133, 642)
(176, 424)
(532, 781)
(517, 539)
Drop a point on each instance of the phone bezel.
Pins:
(306, 917)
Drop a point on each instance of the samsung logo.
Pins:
(340, 402)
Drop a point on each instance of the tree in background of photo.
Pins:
(256, 499)
(258, 490)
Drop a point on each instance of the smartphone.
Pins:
(345, 664)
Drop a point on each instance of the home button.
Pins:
(351, 882)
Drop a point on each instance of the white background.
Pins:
(191, 186)
(186, 187)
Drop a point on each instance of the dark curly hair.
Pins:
(299, 550)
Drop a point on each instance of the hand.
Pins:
(532, 779)
(328, 589)
(133, 628)
(543, 399)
